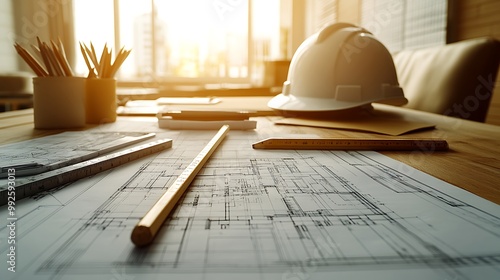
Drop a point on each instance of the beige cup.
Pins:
(100, 100)
(59, 102)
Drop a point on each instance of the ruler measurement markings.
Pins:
(352, 144)
(29, 186)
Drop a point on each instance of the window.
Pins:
(188, 41)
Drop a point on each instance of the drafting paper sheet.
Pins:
(258, 214)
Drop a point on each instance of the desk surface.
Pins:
(261, 214)
(472, 163)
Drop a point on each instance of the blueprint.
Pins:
(258, 214)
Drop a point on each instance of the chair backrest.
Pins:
(456, 79)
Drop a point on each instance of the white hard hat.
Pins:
(340, 67)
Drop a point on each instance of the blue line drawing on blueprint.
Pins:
(269, 215)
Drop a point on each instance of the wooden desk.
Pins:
(260, 214)
(473, 162)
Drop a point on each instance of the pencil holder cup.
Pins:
(100, 100)
(59, 102)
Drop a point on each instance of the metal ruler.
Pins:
(145, 231)
(427, 145)
(28, 186)
(38, 155)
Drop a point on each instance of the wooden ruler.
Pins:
(352, 144)
(147, 228)
(28, 186)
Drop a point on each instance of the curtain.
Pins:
(408, 24)
(46, 19)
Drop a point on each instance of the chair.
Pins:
(456, 79)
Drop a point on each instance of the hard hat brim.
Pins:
(308, 104)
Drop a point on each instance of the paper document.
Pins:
(187, 100)
(258, 214)
(169, 123)
(363, 120)
(382, 126)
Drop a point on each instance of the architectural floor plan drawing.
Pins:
(259, 214)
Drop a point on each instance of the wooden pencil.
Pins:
(53, 61)
(53, 57)
(31, 61)
(45, 57)
(119, 61)
(59, 57)
(65, 59)
(147, 228)
(85, 57)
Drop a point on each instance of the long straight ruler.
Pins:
(352, 144)
(147, 228)
(17, 188)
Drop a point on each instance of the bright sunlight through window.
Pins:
(172, 40)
